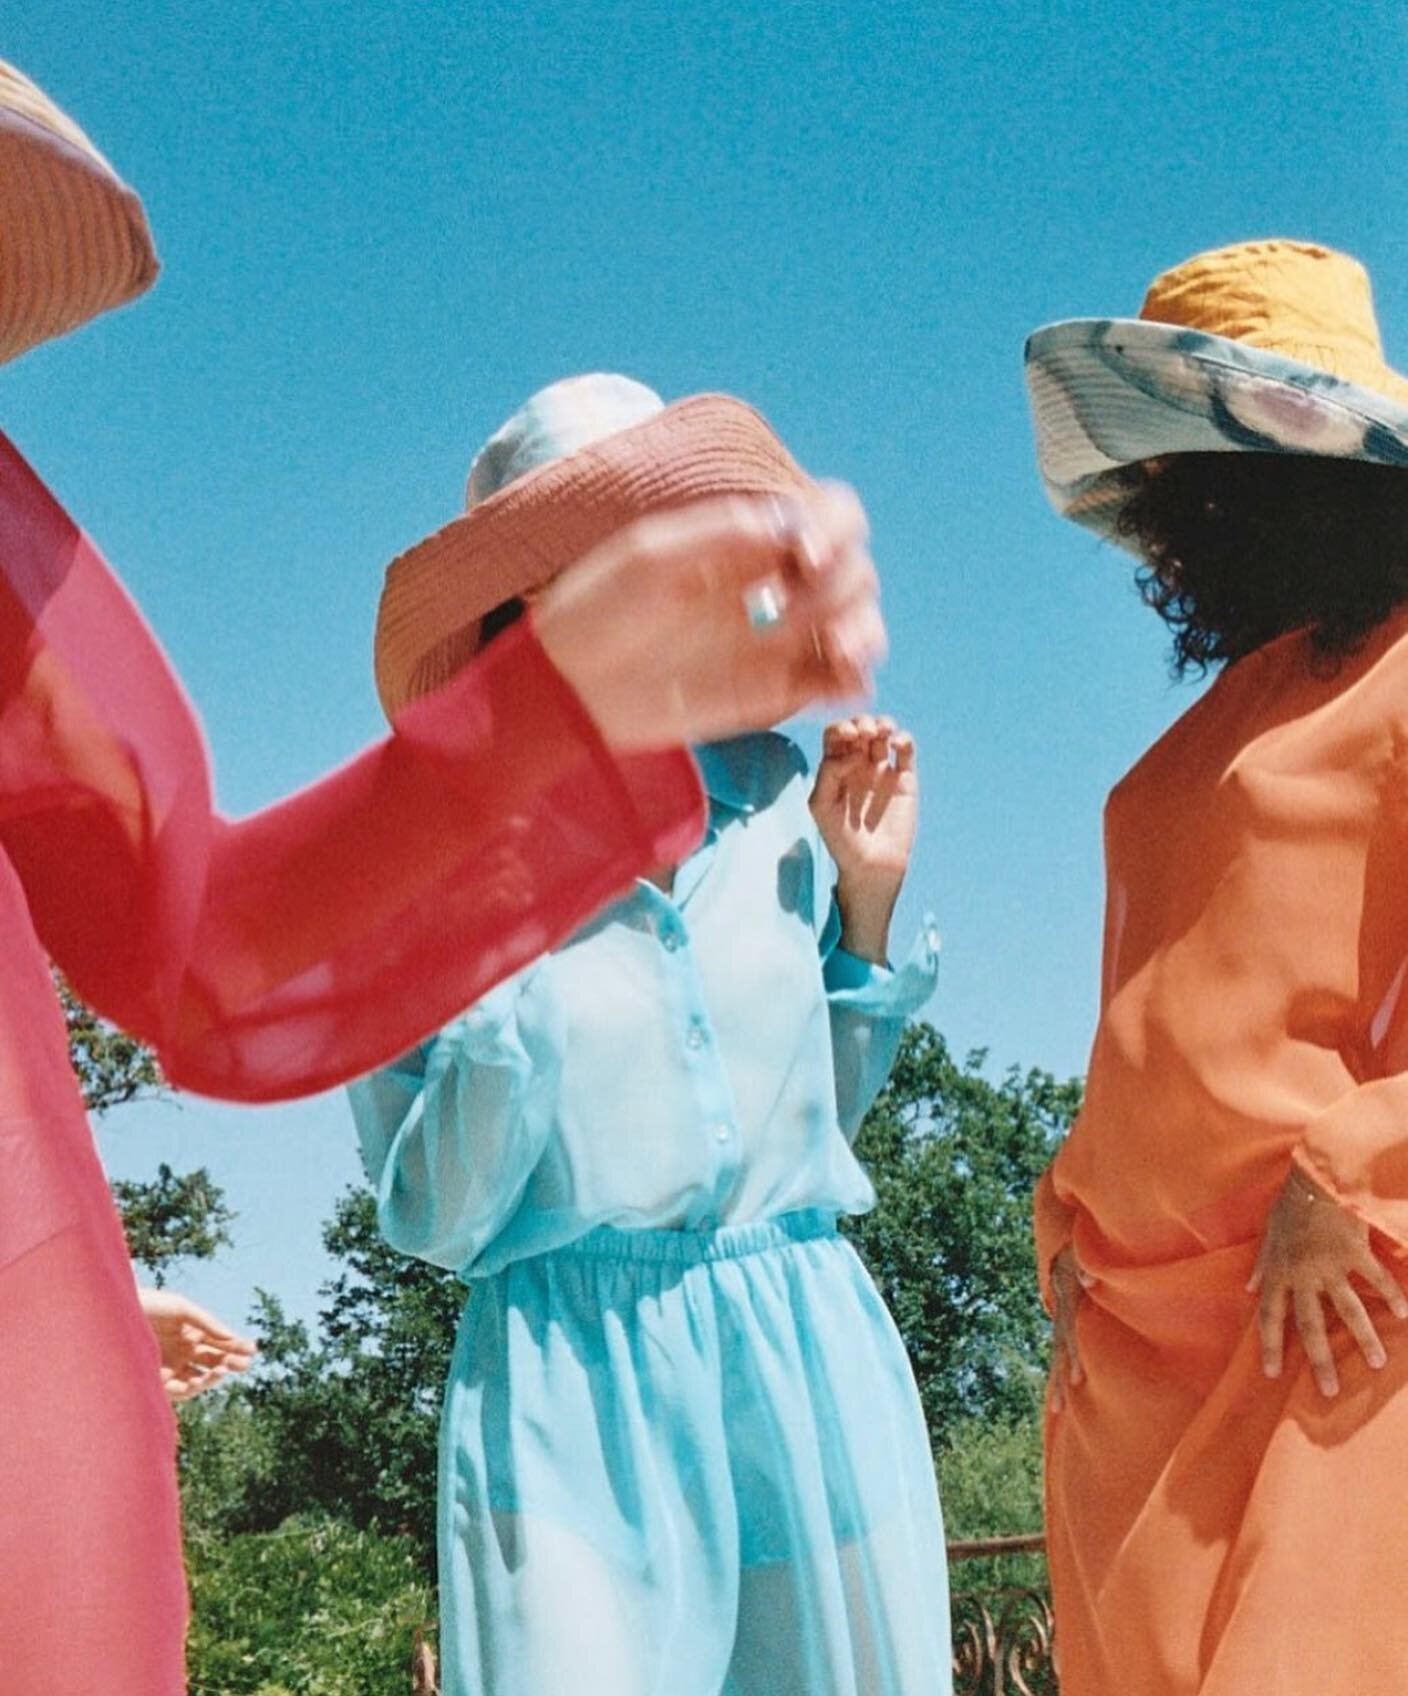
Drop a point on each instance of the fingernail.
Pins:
(1087, 1280)
(1271, 1368)
(784, 516)
(1377, 1359)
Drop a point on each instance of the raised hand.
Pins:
(197, 1351)
(866, 806)
(653, 629)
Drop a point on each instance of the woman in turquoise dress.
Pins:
(682, 1451)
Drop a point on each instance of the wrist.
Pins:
(867, 908)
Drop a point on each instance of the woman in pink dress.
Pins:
(292, 950)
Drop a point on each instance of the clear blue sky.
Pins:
(385, 224)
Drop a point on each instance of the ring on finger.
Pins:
(763, 604)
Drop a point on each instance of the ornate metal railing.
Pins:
(1002, 1635)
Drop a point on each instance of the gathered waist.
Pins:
(678, 1247)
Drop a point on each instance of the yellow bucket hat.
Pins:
(73, 238)
(1262, 347)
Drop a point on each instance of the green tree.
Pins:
(354, 1414)
(173, 1217)
(954, 1158)
(111, 1067)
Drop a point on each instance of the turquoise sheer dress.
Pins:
(682, 1453)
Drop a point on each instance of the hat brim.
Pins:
(1107, 393)
(74, 240)
(437, 593)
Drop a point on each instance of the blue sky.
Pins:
(383, 225)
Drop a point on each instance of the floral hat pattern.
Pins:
(1299, 369)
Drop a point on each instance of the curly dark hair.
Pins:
(1240, 548)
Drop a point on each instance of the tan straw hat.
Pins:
(73, 239)
(581, 460)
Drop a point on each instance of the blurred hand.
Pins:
(653, 631)
(1312, 1248)
(866, 806)
(197, 1351)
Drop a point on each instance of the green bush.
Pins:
(990, 1482)
(316, 1608)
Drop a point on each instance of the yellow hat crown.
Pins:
(1294, 298)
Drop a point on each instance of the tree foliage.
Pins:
(316, 1608)
(954, 1158)
(111, 1067)
(354, 1414)
(173, 1217)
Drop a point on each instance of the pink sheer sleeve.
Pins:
(313, 941)
(262, 959)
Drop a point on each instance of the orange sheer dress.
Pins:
(1212, 1531)
(268, 958)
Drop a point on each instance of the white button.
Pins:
(672, 940)
(695, 1039)
(722, 1133)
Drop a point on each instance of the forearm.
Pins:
(448, 1135)
(869, 1006)
(1357, 1150)
(286, 953)
(867, 910)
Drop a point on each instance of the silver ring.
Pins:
(763, 605)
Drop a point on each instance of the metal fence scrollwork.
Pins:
(1002, 1636)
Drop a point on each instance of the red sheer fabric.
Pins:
(266, 958)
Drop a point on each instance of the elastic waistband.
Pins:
(693, 1248)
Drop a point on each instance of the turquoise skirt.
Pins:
(679, 1463)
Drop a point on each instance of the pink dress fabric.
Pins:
(262, 959)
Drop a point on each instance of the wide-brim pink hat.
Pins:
(556, 481)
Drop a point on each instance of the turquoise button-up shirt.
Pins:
(684, 1061)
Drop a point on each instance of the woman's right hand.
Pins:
(653, 630)
(1069, 1283)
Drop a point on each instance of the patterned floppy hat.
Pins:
(73, 239)
(1265, 347)
(579, 461)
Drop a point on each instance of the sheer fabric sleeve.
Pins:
(450, 1133)
(869, 1006)
(1358, 1146)
(307, 944)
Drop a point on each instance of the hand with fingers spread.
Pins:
(866, 806)
(654, 630)
(197, 1351)
(1069, 1284)
(1312, 1249)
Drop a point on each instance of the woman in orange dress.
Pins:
(286, 952)
(1221, 1237)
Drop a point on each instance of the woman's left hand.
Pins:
(197, 1351)
(866, 806)
(1312, 1248)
